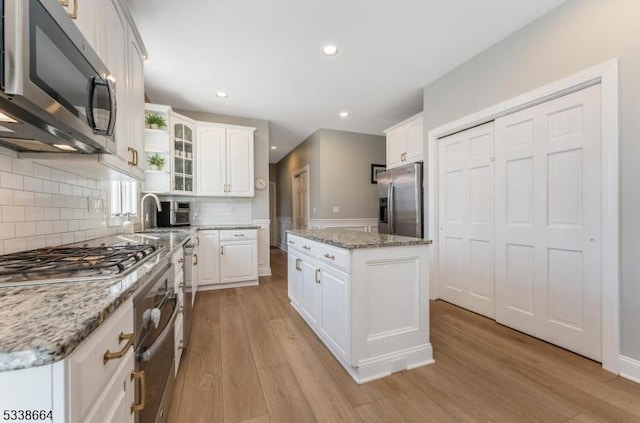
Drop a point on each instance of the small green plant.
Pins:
(156, 161)
(154, 119)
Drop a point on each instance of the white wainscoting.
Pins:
(264, 241)
(364, 225)
(284, 223)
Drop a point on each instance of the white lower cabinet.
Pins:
(93, 384)
(227, 258)
(114, 404)
(370, 306)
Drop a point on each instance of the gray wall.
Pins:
(577, 35)
(260, 203)
(340, 174)
(345, 174)
(273, 172)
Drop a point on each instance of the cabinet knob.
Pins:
(306, 247)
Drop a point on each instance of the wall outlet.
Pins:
(336, 209)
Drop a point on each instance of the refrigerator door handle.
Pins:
(391, 210)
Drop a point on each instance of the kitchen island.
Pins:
(365, 295)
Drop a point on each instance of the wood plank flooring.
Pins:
(251, 358)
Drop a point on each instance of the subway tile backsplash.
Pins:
(45, 207)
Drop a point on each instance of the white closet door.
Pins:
(548, 221)
(466, 215)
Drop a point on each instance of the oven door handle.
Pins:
(167, 331)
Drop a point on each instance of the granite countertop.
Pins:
(42, 324)
(351, 240)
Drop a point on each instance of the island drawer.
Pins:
(90, 367)
(238, 234)
(334, 256)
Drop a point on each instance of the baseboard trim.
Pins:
(227, 285)
(629, 368)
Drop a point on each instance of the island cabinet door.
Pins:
(310, 292)
(294, 280)
(335, 313)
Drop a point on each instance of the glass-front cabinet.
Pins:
(183, 154)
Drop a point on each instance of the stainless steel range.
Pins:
(63, 264)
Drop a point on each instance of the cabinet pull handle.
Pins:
(317, 275)
(291, 242)
(329, 256)
(143, 391)
(195, 259)
(222, 250)
(131, 162)
(298, 263)
(135, 157)
(181, 285)
(197, 241)
(181, 260)
(238, 234)
(181, 346)
(181, 309)
(306, 247)
(113, 355)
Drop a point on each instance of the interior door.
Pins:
(466, 215)
(548, 220)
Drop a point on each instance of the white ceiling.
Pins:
(267, 56)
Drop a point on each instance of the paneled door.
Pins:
(548, 221)
(466, 215)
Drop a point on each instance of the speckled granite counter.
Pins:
(42, 324)
(351, 240)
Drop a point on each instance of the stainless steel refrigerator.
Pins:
(400, 201)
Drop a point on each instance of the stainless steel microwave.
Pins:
(56, 94)
(174, 213)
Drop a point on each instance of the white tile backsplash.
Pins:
(45, 207)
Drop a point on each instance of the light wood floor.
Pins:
(251, 358)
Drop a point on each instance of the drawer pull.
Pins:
(143, 391)
(238, 234)
(181, 285)
(181, 309)
(291, 242)
(113, 355)
(181, 260)
(306, 247)
(329, 256)
(181, 346)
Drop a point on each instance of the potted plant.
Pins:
(156, 162)
(155, 121)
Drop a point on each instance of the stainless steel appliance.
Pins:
(58, 264)
(400, 201)
(173, 213)
(56, 94)
(190, 260)
(155, 310)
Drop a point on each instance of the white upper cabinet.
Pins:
(405, 142)
(224, 160)
(109, 28)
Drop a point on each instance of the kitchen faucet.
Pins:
(142, 208)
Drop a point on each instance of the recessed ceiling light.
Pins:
(273, 147)
(221, 94)
(330, 50)
(343, 114)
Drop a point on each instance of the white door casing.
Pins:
(466, 219)
(605, 74)
(548, 221)
(300, 198)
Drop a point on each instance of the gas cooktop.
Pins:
(58, 264)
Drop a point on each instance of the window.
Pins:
(124, 198)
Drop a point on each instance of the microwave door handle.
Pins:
(114, 109)
(90, 116)
(148, 354)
